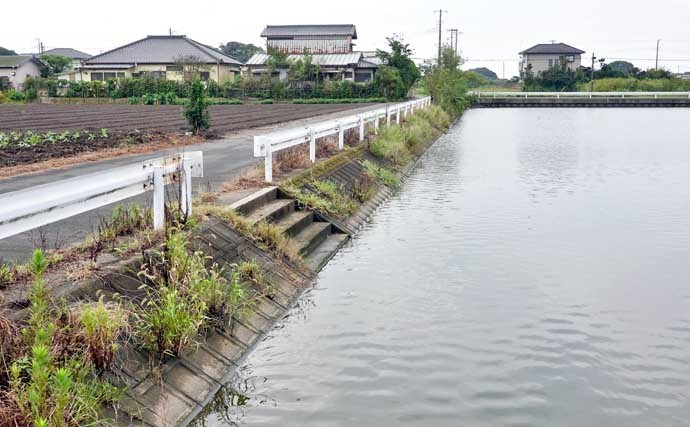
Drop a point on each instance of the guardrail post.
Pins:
(341, 136)
(268, 163)
(186, 190)
(158, 198)
(361, 128)
(376, 124)
(312, 146)
(397, 115)
(388, 117)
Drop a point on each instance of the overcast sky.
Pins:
(494, 30)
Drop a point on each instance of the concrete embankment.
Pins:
(288, 232)
(186, 384)
(517, 102)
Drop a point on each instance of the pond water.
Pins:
(534, 270)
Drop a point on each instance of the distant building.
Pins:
(75, 55)
(331, 47)
(541, 57)
(14, 69)
(168, 57)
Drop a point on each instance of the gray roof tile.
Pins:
(161, 50)
(68, 52)
(555, 48)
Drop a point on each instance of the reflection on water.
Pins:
(532, 271)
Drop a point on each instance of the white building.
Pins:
(16, 68)
(541, 57)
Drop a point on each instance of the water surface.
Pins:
(534, 270)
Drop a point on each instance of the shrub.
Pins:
(196, 108)
(390, 145)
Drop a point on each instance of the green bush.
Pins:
(632, 84)
(196, 108)
(390, 145)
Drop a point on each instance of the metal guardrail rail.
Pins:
(266, 145)
(30, 208)
(558, 95)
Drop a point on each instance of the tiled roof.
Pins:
(325, 60)
(555, 48)
(309, 30)
(161, 50)
(14, 61)
(68, 52)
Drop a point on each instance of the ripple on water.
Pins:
(529, 273)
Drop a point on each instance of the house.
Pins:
(76, 56)
(541, 57)
(330, 46)
(174, 57)
(14, 69)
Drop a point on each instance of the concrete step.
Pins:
(272, 211)
(311, 237)
(255, 200)
(295, 222)
(325, 251)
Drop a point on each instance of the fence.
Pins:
(266, 145)
(622, 95)
(34, 207)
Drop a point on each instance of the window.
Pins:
(96, 77)
(348, 74)
(153, 74)
(205, 75)
(107, 76)
(362, 76)
(177, 68)
(550, 63)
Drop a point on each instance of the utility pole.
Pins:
(591, 87)
(656, 66)
(440, 32)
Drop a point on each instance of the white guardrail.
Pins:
(34, 207)
(266, 145)
(622, 95)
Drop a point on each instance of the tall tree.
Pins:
(240, 51)
(400, 58)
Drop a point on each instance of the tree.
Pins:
(389, 82)
(240, 51)
(6, 52)
(56, 63)
(485, 72)
(558, 78)
(196, 108)
(624, 67)
(447, 84)
(399, 58)
(304, 69)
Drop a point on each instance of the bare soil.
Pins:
(146, 118)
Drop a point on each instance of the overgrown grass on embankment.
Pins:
(56, 361)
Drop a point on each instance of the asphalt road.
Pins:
(223, 159)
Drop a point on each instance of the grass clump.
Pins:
(184, 296)
(51, 377)
(324, 196)
(263, 234)
(436, 116)
(251, 272)
(385, 176)
(390, 145)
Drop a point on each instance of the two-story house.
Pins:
(541, 57)
(330, 46)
